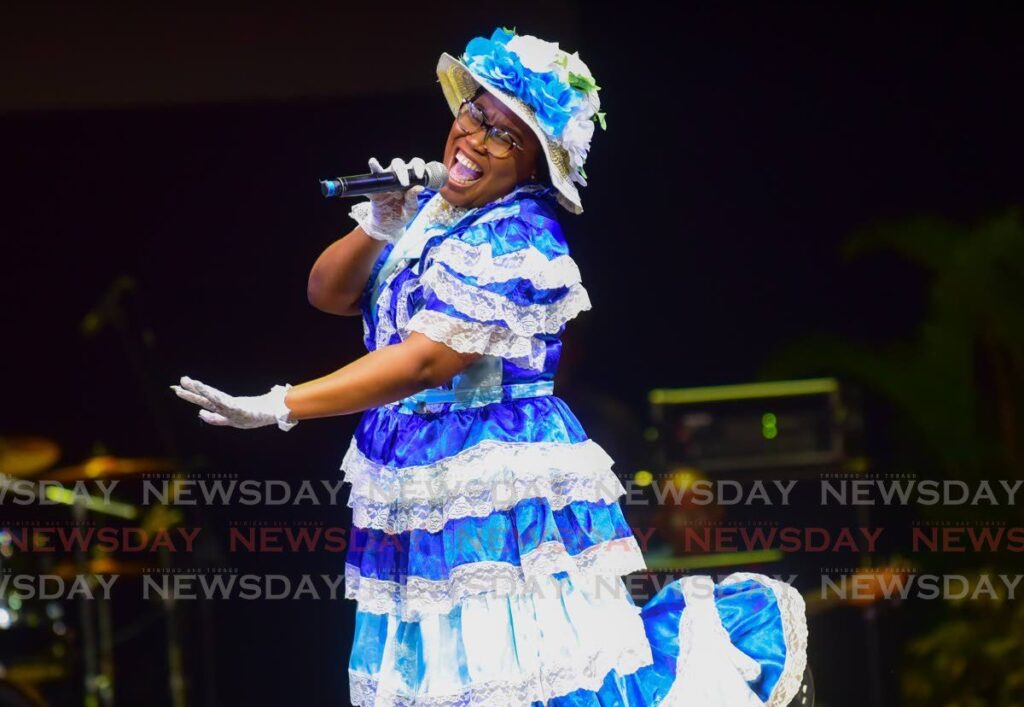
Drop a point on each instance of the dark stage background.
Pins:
(181, 147)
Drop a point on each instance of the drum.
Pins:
(13, 694)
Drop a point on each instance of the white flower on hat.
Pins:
(535, 54)
(576, 140)
(576, 66)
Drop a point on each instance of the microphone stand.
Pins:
(110, 312)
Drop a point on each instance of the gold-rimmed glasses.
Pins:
(497, 141)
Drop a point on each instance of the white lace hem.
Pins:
(479, 262)
(489, 476)
(474, 337)
(794, 625)
(711, 670)
(592, 567)
(484, 306)
(587, 672)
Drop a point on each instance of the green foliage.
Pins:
(959, 383)
(958, 387)
(974, 657)
(583, 83)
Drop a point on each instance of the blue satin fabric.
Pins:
(527, 217)
(503, 536)
(389, 437)
(552, 355)
(524, 218)
(749, 613)
(520, 291)
(488, 638)
(435, 652)
(477, 396)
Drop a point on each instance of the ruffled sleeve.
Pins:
(500, 286)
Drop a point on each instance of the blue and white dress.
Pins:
(489, 545)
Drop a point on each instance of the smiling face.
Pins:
(475, 176)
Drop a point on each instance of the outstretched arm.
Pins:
(378, 378)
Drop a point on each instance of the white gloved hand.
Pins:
(385, 214)
(223, 410)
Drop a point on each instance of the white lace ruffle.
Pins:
(473, 337)
(794, 625)
(487, 477)
(389, 326)
(486, 306)
(586, 670)
(710, 670)
(593, 566)
(479, 262)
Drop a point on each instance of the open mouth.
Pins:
(463, 170)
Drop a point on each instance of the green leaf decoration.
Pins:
(599, 117)
(583, 83)
(510, 31)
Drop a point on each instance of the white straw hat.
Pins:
(550, 90)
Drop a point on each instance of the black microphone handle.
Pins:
(361, 184)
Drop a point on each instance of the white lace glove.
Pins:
(385, 214)
(223, 410)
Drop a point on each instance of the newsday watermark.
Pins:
(835, 490)
(482, 539)
(856, 586)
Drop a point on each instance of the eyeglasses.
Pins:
(498, 143)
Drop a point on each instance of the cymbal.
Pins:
(35, 672)
(106, 467)
(98, 565)
(25, 456)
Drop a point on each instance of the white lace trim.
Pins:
(794, 625)
(388, 326)
(485, 306)
(488, 477)
(586, 672)
(419, 596)
(710, 670)
(389, 231)
(473, 337)
(479, 261)
(485, 464)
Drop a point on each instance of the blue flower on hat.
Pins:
(551, 98)
(556, 85)
(493, 62)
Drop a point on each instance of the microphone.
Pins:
(435, 176)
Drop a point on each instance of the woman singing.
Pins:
(489, 545)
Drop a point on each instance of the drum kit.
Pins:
(48, 644)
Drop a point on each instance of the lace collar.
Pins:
(440, 213)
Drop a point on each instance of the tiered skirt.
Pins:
(487, 561)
